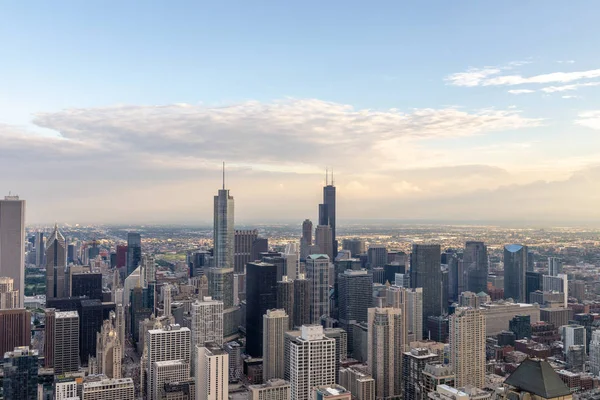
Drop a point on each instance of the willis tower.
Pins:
(327, 210)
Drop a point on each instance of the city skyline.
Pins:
(463, 128)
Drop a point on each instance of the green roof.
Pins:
(538, 377)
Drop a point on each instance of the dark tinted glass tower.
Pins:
(90, 323)
(327, 211)
(134, 251)
(21, 374)
(56, 263)
(87, 284)
(285, 299)
(533, 282)
(301, 302)
(476, 264)
(261, 295)
(425, 272)
(515, 268)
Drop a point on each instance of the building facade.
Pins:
(385, 347)
(317, 273)
(515, 268)
(12, 248)
(275, 324)
(425, 272)
(467, 346)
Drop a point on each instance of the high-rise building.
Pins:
(533, 282)
(121, 256)
(377, 256)
(323, 239)
(311, 361)
(558, 283)
(436, 374)
(341, 346)
(109, 350)
(425, 272)
(355, 246)
(20, 374)
(360, 384)
(354, 299)
(244, 240)
(220, 285)
(317, 272)
(302, 301)
(40, 249)
(91, 315)
(148, 270)
(66, 342)
(327, 212)
(207, 322)
(275, 324)
(234, 350)
(86, 284)
(9, 297)
(292, 260)
(65, 388)
(134, 251)
(56, 264)
(165, 344)
(595, 353)
(109, 389)
(410, 301)
(413, 365)
(224, 233)
(475, 259)
(212, 373)
(554, 266)
(573, 335)
(285, 299)
(261, 295)
(515, 268)
(306, 241)
(273, 389)
(50, 320)
(385, 347)
(467, 346)
(12, 248)
(164, 372)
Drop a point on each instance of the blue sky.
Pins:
(114, 61)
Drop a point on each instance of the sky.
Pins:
(122, 112)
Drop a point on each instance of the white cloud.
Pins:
(564, 88)
(570, 97)
(566, 62)
(472, 77)
(589, 119)
(521, 91)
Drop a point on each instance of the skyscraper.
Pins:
(355, 246)
(376, 256)
(311, 361)
(56, 264)
(467, 346)
(317, 273)
(261, 295)
(554, 266)
(275, 324)
(285, 299)
(302, 301)
(292, 260)
(324, 240)
(134, 251)
(385, 348)
(224, 233)
(355, 296)
(20, 374)
(9, 297)
(306, 240)
(207, 322)
(476, 263)
(327, 211)
(515, 268)
(171, 371)
(220, 285)
(66, 342)
(12, 249)
(109, 350)
(595, 353)
(40, 249)
(244, 240)
(425, 272)
(212, 373)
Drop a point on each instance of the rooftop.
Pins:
(538, 377)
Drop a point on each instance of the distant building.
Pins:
(261, 295)
(377, 256)
(134, 251)
(554, 266)
(244, 240)
(425, 272)
(317, 273)
(12, 248)
(56, 264)
(355, 246)
(515, 268)
(475, 260)
(323, 239)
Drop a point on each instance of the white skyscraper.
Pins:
(212, 372)
(12, 249)
(595, 353)
(275, 323)
(207, 322)
(312, 361)
(317, 273)
(573, 335)
(166, 344)
(386, 340)
(467, 346)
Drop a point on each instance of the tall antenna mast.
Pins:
(223, 175)
(332, 176)
(326, 176)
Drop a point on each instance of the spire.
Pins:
(332, 184)
(326, 176)
(223, 175)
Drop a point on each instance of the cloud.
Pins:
(589, 119)
(575, 86)
(570, 97)
(566, 62)
(521, 91)
(472, 77)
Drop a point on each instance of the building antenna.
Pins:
(326, 176)
(332, 182)
(223, 175)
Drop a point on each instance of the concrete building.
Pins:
(435, 374)
(292, 260)
(360, 384)
(386, 341)
(12, 248)
(324, 241)
(558, 283)
(285, 299)
(108, 389)
(212, 372)
(556, 316)
(498, 314)
(275, 324)
(20, 374)
(66, 342)
(109, 351)
(554, 266)
(65, 388)
(9, 297)
(311, 361)
(164, 372)
(595, 353)
(207, 321)
(341, 346)
(317, 273)
(330, 392)
(446, 392)
(467, 346)
(573, 335)
(413, 365)
(273, 389)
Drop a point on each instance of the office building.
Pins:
(9, 297)
(207, 322)
(376, 256)
(285, 299)
(595, 353)
(467, 346)
(148, 270)
(292, 260)
(413, 365)
(324, 241)
(425, 272)
(164, 372)
(40, 249)
(515, 268)
(49, 323)
(556, 316)
(317, 273)
(311, 361)
(134, 251)
(521, 326)
(121, 256)
(66, 342)
(56, 264)
(224, 233)
(212, 373)
(234, 350)
(306, 240)
(86, 284)
(108, 389)
(498, 314)
(573, 335)
(220, 285)
(533, 283)
(243, 243)
(341, 346)
(273, 389)
(275, 324)
(302, 301)
(327, 213)
(330, 392)
(165, 344)
(261, 295)
(446, 392)
(65, 388)
(355, 246)
(91, 315)
(20, 368)
(410, 301)
(554, 266)
(360, 384)
(354, 296)
(109, 350)
(559, 283)
(475, 260)
(386, 341)
(12, 248)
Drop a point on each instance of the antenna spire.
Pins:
(326, 176)
(332, 181)
(223, 175)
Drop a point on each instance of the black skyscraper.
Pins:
(261, 295)
(476, 264)
(515, 268)
(134, 251)
(425, 272)
(87, 284)
(327, 211)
